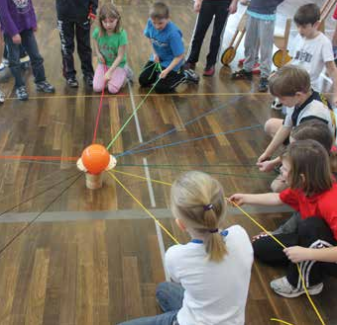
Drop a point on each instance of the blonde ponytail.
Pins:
(198, 200)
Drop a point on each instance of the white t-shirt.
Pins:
(311, 55)
(215, 293)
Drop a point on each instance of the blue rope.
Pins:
(196, 139)
(175, 129)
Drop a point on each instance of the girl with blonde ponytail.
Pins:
(211, 273)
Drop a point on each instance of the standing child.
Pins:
(110, 40)
(18, 22)
(211, 273)
(168, 50)
(259, 34)
(312, 192)
(74, 18)
(206, 9)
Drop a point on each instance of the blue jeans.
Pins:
(170, 298)
(30, 45)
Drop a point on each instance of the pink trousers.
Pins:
(115, 83)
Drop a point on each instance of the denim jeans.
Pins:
(170, 298)
(30, 45)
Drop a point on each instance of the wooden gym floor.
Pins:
(87, 257)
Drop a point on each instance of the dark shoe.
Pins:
(242, 75)
(191, 76)
(89, 81)
(45, 87)
(263, 85)
(209, 71)
(189, 65)
(21, 93)
(72, 82)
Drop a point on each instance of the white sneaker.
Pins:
(276, 105)
(283, 288)
(2, 97)
(2, 66)
(129, 73)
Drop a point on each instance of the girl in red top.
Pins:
(312, 192)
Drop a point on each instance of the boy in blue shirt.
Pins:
(168, 50)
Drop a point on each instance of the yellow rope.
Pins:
(143, 207)
(244, 213)
(141, 177)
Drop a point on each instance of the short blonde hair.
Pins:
(289, 80)
(198, 199)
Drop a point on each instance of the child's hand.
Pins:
(263, 158)
(233, 7)
(163, 74)
(298, 254)
(265, 166)
(101, 58)
(16, 39)
(107, 75)
(197, 5)
(238, 199)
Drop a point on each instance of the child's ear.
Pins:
(181, 224)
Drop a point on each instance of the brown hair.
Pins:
(159, 10)
(198, 200)
(308, 158)
(307, 14)
(289, 80)
(108, 10)
(319, 131)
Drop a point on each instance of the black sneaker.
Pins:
(21, 93)
(242, 75)
(89, 81)
(72, 82)
(263, 85)
(191, 76)
(45, 87)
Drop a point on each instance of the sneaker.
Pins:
(5, 62)
(2, 97)
(191, 76)
(72, 82)
(129, 73)
(2, 66)
(209, 71)
(263, 85)
(21, 93)
(276, 105)
(242, 75)
(283, 288)
(189, 65)
(89, 81)
(45, 87)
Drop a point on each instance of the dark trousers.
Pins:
(68, 30)
(30, 45)
(313, 233)
(22, 52)
(209, 9)
(148, 77)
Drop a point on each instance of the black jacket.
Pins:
(75, 10)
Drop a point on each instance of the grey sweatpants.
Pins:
(259, 34)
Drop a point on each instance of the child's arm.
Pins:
(197, 5)
(269, 165)
(332, 71)
(171, 66)
(281, 135)
(298, 254)
(118, 60)
(233, 7)
(98, 53)
(267, 199)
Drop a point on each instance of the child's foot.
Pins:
(191, 76)
(21, 93)
(283, 288)
(263, 85)
(72, 82)
(2, 66)
(276, 105)
(45, 87)
(209, 71)
(189, 65)
(2, 97)
(242, 75)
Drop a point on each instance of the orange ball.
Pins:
(95, 158)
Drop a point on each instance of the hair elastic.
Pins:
(213, 231)
(208, 207)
